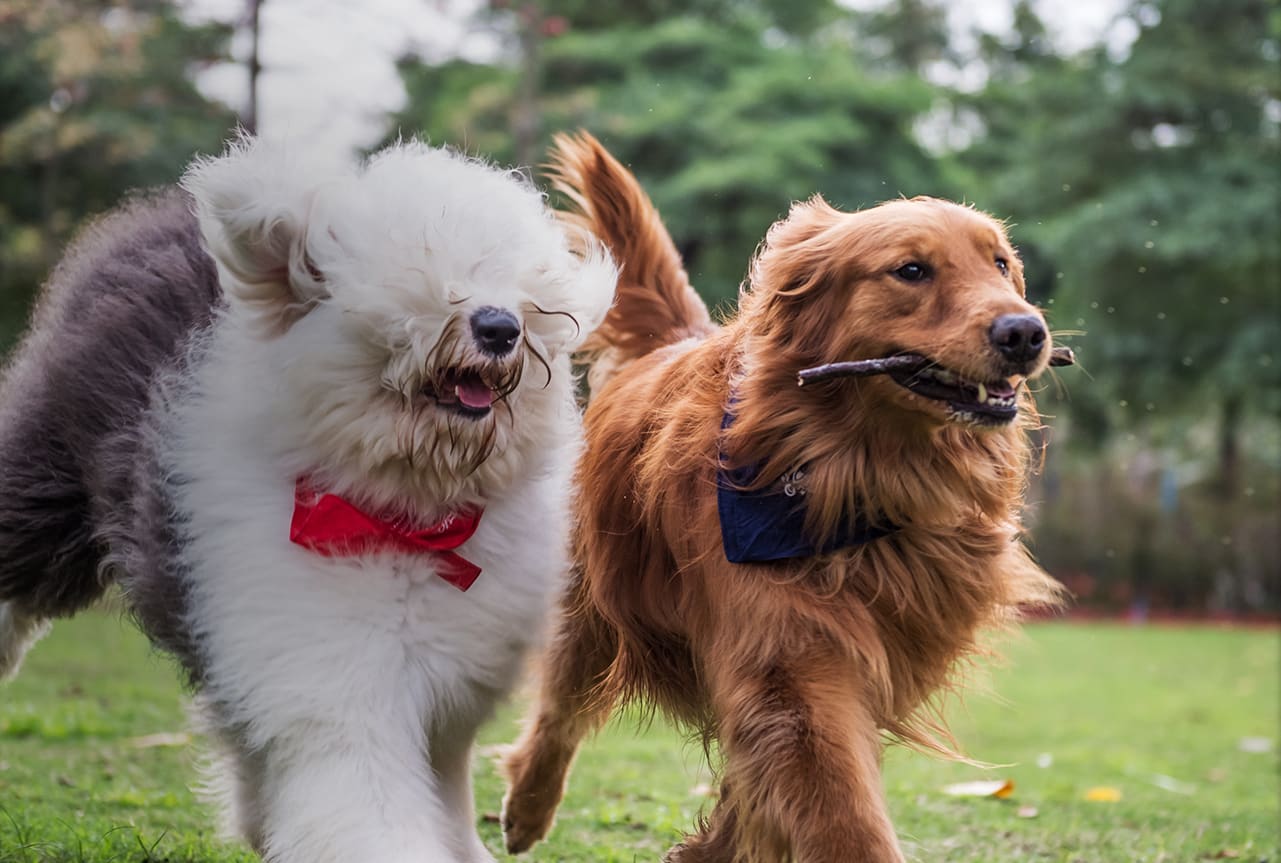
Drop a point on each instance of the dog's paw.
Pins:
(526, 819)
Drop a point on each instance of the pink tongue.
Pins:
(474, 394)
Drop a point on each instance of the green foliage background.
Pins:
(1141, 178)
(96, 98)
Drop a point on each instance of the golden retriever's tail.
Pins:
(655, 304)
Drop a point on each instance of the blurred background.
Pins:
(1134, 148)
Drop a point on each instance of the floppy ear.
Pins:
(253, 204)
(805, 220)
(594, 277)
(800, 256)
(584, 281)
(796, 254)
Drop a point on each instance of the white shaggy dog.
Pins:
(277, 458)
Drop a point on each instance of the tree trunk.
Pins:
(525, 116)
(1229, 478)
(49, 237)
(1230, 576)
(250, 120)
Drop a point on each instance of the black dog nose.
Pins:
(1019, 338)
(495, 330)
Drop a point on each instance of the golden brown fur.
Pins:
(794, 667)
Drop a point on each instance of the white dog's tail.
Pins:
(655, 304)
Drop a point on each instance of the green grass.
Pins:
(1102, 705)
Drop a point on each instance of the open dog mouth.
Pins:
(464, 391)
(982, 402)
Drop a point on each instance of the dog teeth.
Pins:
(995, 401)
(985, 397)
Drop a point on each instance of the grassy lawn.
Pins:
(1158, 714)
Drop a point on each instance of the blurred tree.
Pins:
(726, 117)
(909, 35)
(1152, 182)
(1149, 180)
(96, 98)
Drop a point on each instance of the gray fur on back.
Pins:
(79, 482)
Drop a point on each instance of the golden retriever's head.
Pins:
(920, 276)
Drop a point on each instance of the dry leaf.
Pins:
(1103, 794)
(999, 788)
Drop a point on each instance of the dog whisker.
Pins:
(541, 311)
(536, 354)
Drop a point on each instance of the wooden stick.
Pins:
(1061, 356)
(862, 368)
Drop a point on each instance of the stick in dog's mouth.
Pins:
(908, 363)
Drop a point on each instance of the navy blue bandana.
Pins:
(769, 523)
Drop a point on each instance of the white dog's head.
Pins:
(419, 311)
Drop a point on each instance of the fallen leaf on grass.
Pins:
(1103, 794)
(1169, 783)
(998, 788)
(151, 741)
(1225, 854)
(1255, 745)
(1027, 812)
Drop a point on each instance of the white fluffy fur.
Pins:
(18, 633)
(348, 691)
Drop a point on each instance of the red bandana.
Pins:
(329, 525)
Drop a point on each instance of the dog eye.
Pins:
(913, 272)
(1003, 265)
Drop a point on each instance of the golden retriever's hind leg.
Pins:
(538, 765)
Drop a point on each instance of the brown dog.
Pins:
(875, 519)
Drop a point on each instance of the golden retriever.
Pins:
(874, 519)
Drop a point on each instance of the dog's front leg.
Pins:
(538, 765)
(450, 751)
(335, 794)
(803, 759)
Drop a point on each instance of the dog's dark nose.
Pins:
(1019, 338)
(495, 330)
